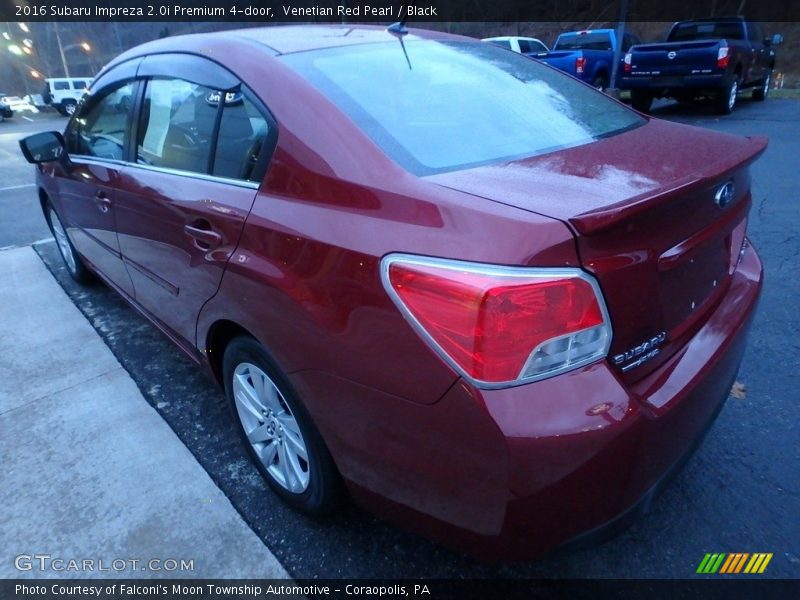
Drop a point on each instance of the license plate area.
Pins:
(689, 285)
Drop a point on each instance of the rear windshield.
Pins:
(453, 105)
(686, 32)
(586, 41)
(502, 43)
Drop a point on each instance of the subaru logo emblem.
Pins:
(672, 54)
(724, 195)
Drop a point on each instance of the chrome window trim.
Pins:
(86, 158)
(194, 175)
(81, 158)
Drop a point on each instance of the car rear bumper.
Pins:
(511, 474)
(666, 85)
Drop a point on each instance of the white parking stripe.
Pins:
(27, 118)
(17, 187)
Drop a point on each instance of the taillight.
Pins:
(723, 57)
(628, 64)
(580, 64)
(501, 325)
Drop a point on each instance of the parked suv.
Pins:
(466, 293)
(65, 93)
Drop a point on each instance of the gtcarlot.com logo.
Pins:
(734, 563)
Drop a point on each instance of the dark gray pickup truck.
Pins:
(715, 58)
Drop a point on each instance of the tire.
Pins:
(72, 260)
(2, 118)
(641, 101)
(277, 430)
(68, 106)
(726, 100)
(760, 93)
(600, 84)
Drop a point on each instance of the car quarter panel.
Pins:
(331, 207)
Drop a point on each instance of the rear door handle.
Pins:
(103, 202)
(205, 238)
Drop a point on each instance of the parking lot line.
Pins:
(17, 187)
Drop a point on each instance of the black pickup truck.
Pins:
(704, 57)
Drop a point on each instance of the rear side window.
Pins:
(502, 43)
(524, 46)
(177, 125)
(537, 46)
(79, 85)
(101, 127)
(460, 104)
(586, 41)
(60, 85)
(242, 133)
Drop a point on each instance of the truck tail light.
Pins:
(627, 65)
(500, 326)
(580, 64)
(723, 57)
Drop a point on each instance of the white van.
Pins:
(63, 93)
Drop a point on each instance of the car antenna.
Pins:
(399, 30)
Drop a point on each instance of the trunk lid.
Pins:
(645, 220)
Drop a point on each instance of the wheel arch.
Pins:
(221, 333)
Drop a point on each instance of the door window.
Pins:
(177, 125)
(754, 33)
(100, 128)
(242, 133)
(182, 126)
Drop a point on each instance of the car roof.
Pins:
(299, 38)
(585, 31)
(286, 39)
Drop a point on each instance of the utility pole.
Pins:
(61, 51)
(623, 15)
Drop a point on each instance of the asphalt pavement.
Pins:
(739, 493)
(21, 221)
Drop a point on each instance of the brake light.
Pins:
(628, 63)
(723, 57)
(580, 64)
(501, 325)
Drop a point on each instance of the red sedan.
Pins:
(468, 291)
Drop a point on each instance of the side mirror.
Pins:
(43, 147)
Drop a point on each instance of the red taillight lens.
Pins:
(723, 57)
(580, 64)
(501, 325)
(627, 65)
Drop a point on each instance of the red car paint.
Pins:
(503, 473)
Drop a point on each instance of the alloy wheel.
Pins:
(271, 428)
(62, 241)
(732, 96)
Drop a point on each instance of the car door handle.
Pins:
(205, 238)
(103, 202)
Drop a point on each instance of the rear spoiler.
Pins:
(741, 156)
